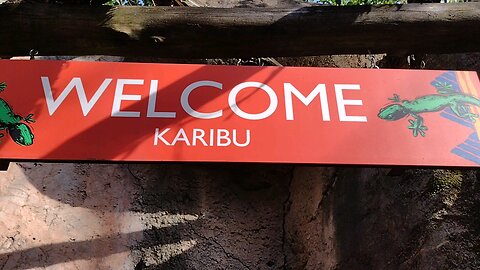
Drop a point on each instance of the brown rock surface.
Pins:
(67, 216)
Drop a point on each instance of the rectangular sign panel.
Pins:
(56, 110)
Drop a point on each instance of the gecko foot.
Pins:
(395, 98)
(417, 127)
(29, 119)
(470, 116)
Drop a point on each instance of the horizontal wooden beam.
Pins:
(183, 32)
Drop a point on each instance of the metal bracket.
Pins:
(373, 60)
(33, 53)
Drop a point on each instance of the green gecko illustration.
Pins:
(458, 102)
(12, 123)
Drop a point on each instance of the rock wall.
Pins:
(381, 218)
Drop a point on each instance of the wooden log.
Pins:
(183, 32)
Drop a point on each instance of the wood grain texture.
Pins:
(183, 32)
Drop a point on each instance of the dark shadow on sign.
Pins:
(119, 146)
(122, 148)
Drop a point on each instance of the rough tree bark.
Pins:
(238, 32)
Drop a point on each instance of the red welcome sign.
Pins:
(56, 110)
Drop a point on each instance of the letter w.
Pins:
(76, 83)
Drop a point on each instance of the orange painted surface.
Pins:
(65, 133)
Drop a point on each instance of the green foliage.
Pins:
(445, 180)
